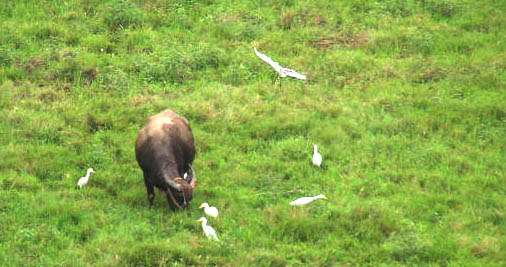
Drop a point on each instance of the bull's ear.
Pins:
(189, 177)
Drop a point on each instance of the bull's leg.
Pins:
(171, 203)
(150, 190)
(172, 200)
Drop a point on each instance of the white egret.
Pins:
(305, 200)
(208, 230)
(282, 71)
(317, 157)
(84, 180)
(209, 210)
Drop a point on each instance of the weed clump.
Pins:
(444, 9)
(77, 69)
(177, 67)
(95, 124)
(159, 254)
(122, 14)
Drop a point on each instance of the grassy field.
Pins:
(405, 99)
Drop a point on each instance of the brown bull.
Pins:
(165, 150)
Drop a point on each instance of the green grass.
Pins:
(406, 100)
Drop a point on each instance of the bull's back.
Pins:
(162, 131)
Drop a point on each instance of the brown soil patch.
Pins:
(354, 41)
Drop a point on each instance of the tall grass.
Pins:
(404, 98)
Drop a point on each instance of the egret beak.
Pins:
(200, 207)
(326, 198)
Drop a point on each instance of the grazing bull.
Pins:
(165, 151)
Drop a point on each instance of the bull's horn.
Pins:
(175, 185)
(193, 181)
(172, 182)
(194, 175)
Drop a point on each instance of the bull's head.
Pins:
(180, 191)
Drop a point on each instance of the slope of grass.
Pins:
(406, 100)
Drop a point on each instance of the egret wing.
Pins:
(275, 65)
(213, 211)
(82, 181)
(211, 233)
(294, 74)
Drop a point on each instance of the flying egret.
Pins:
(209, 210)
(282, 71)
(305, 200)
(208, 230)
(84, 180)
(317, 157)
